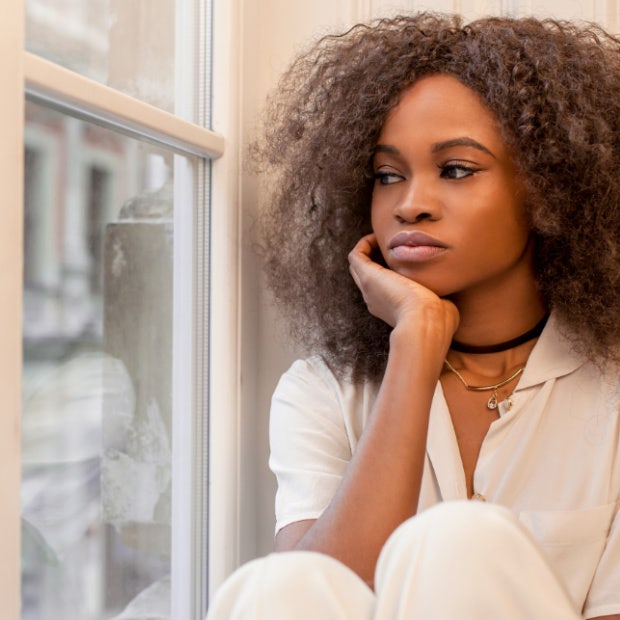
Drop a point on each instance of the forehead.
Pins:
(440, 107)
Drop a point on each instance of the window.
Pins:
(98, 420)
(106, 327)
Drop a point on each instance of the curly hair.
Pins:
(554, 87)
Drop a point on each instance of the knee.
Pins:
(279, 584)
(458, 523)
(465, 546)
(452, 534)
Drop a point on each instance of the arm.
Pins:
(381, 485)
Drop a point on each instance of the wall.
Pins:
(274, 31)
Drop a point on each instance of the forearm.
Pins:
(381, 486)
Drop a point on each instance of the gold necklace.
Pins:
(492, 402)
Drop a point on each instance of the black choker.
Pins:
(501, 346)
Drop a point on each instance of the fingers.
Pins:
(363, 248)
(380, 287)
(359, 257)
(366, 244)
(391, 296)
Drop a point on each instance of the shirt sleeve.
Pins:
(604, 596)
(310, 449)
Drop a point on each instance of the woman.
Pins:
(470, 349)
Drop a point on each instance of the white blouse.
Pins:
(553, 458)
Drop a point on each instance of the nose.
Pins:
(418, 202)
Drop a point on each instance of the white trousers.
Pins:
(457, 560)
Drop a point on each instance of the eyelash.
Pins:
(382, 178)
(388, 178)
(468, 169)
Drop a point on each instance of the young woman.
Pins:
(445, 238)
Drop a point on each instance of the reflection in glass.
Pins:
(128, 45)
(97, 375)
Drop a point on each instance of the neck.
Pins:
(498, 314)
(499, 347)
(495, 316)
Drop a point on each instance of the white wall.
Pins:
(274, 30)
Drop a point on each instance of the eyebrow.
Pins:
(438, 146)
(386, 148)
(463, 141)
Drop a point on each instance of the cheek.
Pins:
(502, 234)
(381, 232)
(375, 223)
(373, 212)
(378, 226)
(505, 236)
(379, 215)
(505, 211)
(518, 226)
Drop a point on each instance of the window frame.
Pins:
(214, 262)
(11, 258)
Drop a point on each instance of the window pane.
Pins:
(97, 376)
(129, 45)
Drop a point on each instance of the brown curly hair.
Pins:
(554, 87)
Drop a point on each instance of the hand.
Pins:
(394, 298)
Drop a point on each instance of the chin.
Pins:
(441, 289)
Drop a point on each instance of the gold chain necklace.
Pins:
(492, 402)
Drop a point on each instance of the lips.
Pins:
(415, 246)
(414, 239)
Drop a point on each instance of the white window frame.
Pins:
(197, 342)
(11, 257)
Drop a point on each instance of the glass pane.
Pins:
(97, 375)
(129, 45)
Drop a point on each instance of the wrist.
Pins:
(417, 353)
(433, 326)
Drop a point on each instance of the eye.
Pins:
(387, 178)
(457, 170)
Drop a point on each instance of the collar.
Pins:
(552, 356)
